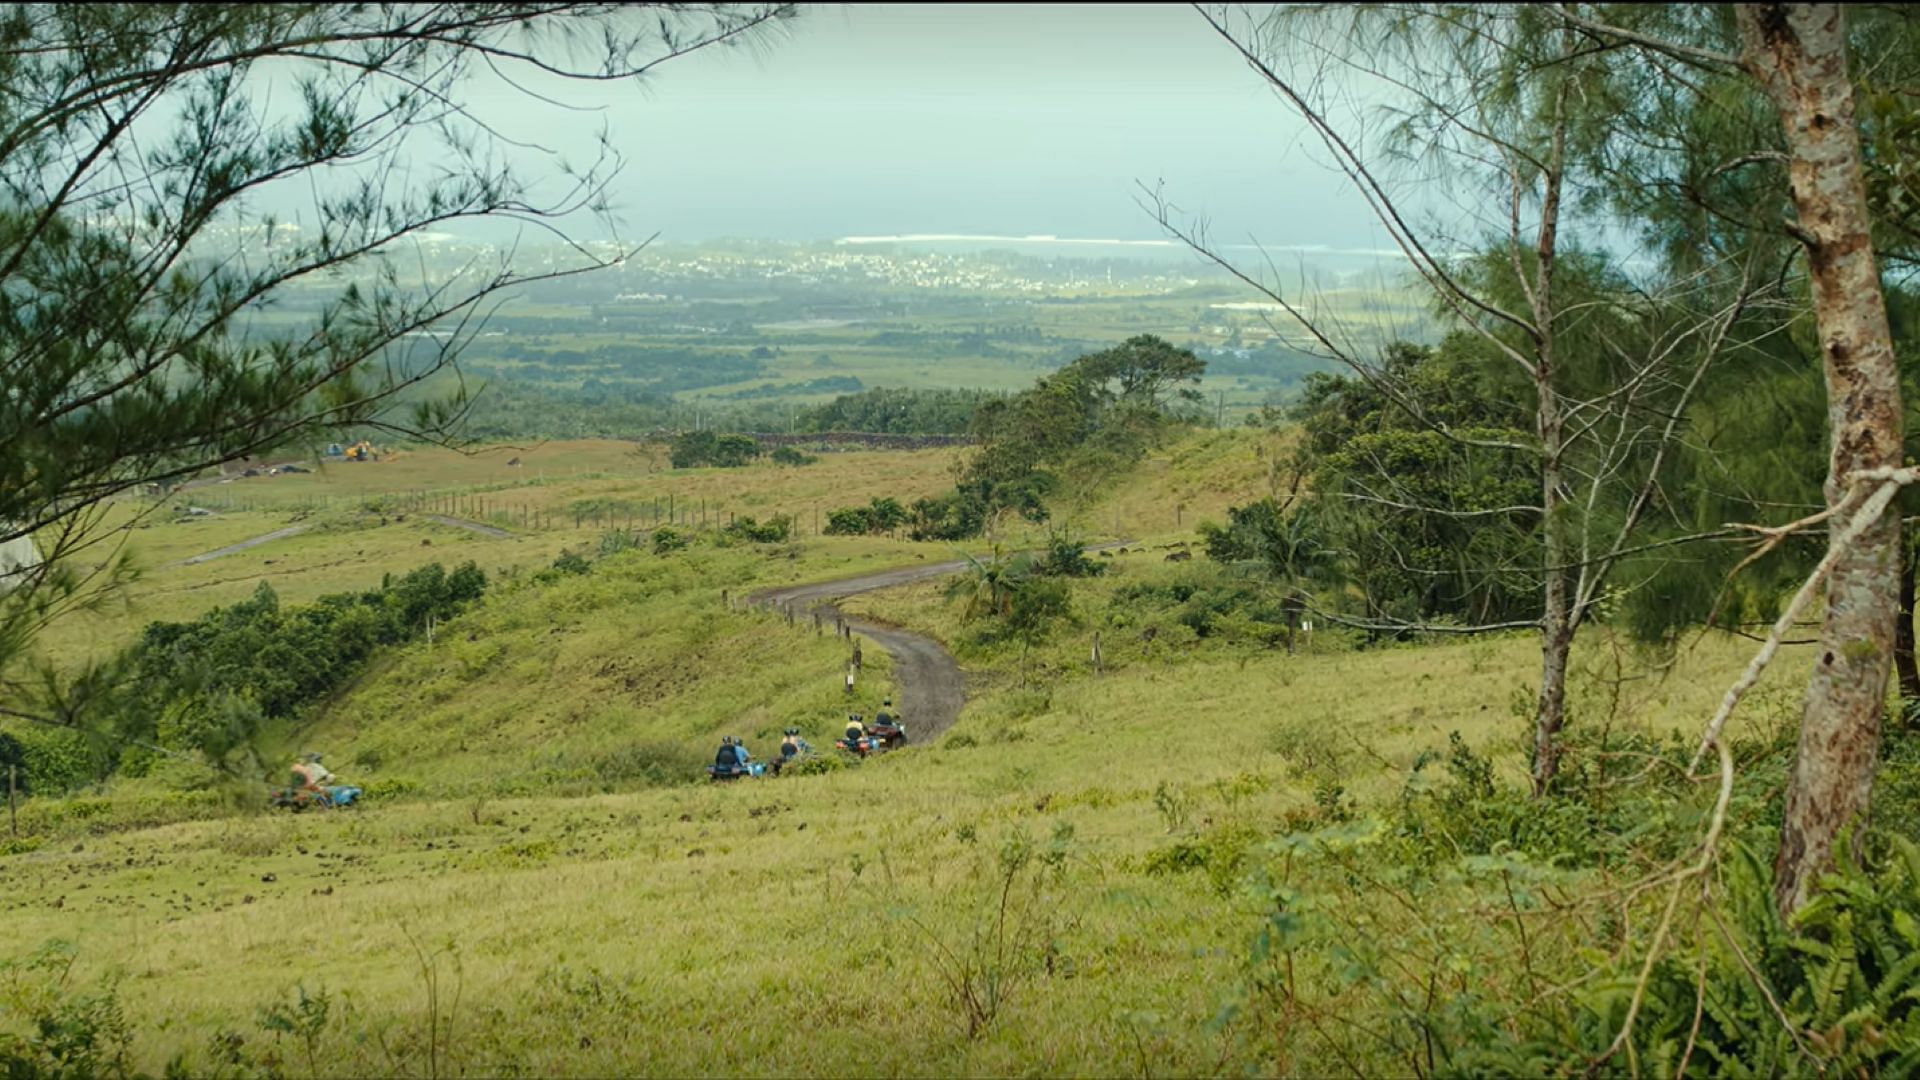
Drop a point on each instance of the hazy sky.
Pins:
(999, 119)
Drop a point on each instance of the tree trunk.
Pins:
(1903, 662)
(1556, 600)
(1798, 52)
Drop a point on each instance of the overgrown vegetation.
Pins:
(1074, 428)
(694, 449)
(213, 686)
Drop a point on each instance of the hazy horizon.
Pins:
(976, 121)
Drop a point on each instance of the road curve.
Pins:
(930, 687)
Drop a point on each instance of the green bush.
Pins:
(211, 685)
(1067, 557)
(775, 530)
(667, 540)
(787, 455)
(693, 449)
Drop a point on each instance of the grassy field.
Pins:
(356, 527)
(538, 883)
(807, 915)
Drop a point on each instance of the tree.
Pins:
(1798, 54)
(137, 143)
(1794, 61)
(1496, 99)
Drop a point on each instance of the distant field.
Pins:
(564, 495)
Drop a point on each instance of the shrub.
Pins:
(211, 685)
(849, 521)
(776, 530)
(1066, 557)
(667, 540)
(883, 514)
(787, 455)
(693, 449)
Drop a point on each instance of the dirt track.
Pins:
(243, 545)
(931, 686)
(471, 526)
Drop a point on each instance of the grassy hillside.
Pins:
(1191, 862)
(628, 674)
(821, 918)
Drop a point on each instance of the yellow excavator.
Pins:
(360, 451)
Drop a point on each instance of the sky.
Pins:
(1013, 120)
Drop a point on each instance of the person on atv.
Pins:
(884, 718)
(728, 757)
(855, 731)
(309, 775)
(792, 746)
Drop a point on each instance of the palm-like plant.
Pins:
(986, 589)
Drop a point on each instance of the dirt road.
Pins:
(243, 545)
(473, 526)
(931, 688)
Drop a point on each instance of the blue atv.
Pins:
(735, 771)
(327, 798)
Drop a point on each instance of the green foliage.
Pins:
(787, 455)
(775, 530)
(571, 563)
(667, 540)
(1067, 557)
(694, 449)
(883, 515)
(1087, 420)
(70, 1032)
(211, 685)
(1423, 524)
(897, 411)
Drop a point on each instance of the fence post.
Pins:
(1096, 652)
(13, 819)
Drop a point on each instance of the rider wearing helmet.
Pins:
(855, 730)
(728, 755)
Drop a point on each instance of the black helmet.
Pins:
(888, 702)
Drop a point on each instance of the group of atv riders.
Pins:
(885, 733)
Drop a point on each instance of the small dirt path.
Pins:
(931, 687)
(470, 526)
(230, 549)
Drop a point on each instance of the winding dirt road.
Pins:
(930, 687)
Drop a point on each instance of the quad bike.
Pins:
(327, 798)
(891, 736)
(864, 746)
(718, 773)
